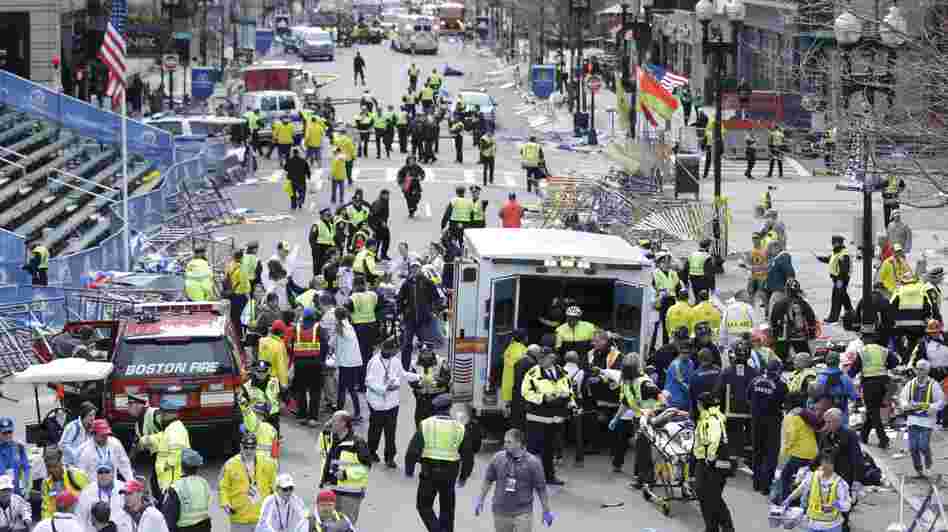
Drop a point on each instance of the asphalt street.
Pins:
(390, 504)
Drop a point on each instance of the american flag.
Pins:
(113, 52)
(667, 78)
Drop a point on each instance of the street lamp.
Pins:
(882, 39)
(713, 44)
(170, 6)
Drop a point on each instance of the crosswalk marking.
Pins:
(391, 174)
(510, 179)
(469, 177)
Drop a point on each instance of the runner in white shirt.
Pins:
(104, 448)
(283, 511)
(65, 520)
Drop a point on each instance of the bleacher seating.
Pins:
(15, 133)
(12, 187)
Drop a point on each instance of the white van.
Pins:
(508, 277)
(273, 105)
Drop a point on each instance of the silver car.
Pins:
(318, 45)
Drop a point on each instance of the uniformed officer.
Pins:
(679, 315)
(478, 207)
(435, 379)
(198, 282)
(549, 397)
(750, 151)
(413, 77)
(705, 312)
(457, 133)
(712, 464)
(736, 379)
(251, 266)
(457, 215)
(775, 144)
(706, 378)
(401, 126)
(145, 418)
(363, 122)
(38, 264)
(187, 502)
(626, 419)
(575, 334)
(427, 98)
(912, 309)
(766, 394)
(840, 266)
(531, 155)
(380, 125)
(252, 116)
(701, 268)
(874, 362)
(364, 265)
(363, 306)
(894, 186)
(738, 320)
(167, 444)
(488, 151)
(345, 461)
(829, 146)
(666, 284)
(446, 453)
(262, 388)
(322, 238)
(803, 374)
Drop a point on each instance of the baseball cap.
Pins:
(133, 486)
(101, 427)
(6, 424)
(326, 496)
(285, 480)
(6, 482)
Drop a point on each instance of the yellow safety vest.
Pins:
(477, 211)
(583, 332)
(253, 121)
(461, 210)
(337, 168)
(800, 377)
(710, 431)
(239, 283)
(248, 266)
(325, 233)
(488, 147)
(307, 298)
(427, 94)
(402, 118)
(443, 437)
(739, 322)
(195, 497)
(705, 311)
(696, 263)
(364, 262)
(314, 134)
(357, 474)
(776, 138)
(283, 133)
(666, 281)
(379, 121)
(814, 506)
(834, 261)
(913, 393)
(892, 185)
(197, 280)
(678, 316)
(43, 252)
(167, 446)
(357, 215)
(363, 307)
(911, 296)
(412, 72)
(530, 153)
(73, 482)
(873, 360)
(759, 264)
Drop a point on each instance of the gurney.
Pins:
(671, 434)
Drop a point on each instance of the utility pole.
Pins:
(204, 32)
(540, 34)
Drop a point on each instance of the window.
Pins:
(287, 103)
(268, 103)
(175, 128)
(198, 128)
(210, 129)
(190, 356)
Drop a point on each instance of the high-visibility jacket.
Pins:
(630, 398)
(413, 72)
(435, 80)
(401, 119)
(666, 283)
(530, 154)
(582, 332)
(817, 500)
(365, 262)
(775, 138)
(461, 209)
(167, 446)
(705, 311)
(739, 319)
(910, 312)
(477, 211)
(873, 360)
(253, 121)
(799, 378)
(537, 385)
(244, 490)
(443, 436)
(248, 266)
(356, 474)
(198, 284)
(835, 260)
(43, 253)
(758, 265)
(272, 349)
(238, 282)
(364, 121)
(337, 168)
(363, 307)
(269, 396)
(892, 271)
(696, 263)
(195, 497)
(488, 147)
(432, 381)
(267, 436)
(347, 145)
(383, 120)
(336, 524)
(357, 215)
(678, 316)
(73, 482)
(150, 423)
(766, 202)
(925, 401)
(514, 352)
(710, 434)
(314, 134)
(306, 348)
(283, 132)
(325, 233)
(427, 94)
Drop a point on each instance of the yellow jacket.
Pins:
(167, 446)
(283, 132)
(273, 350)
(315, 130)
(73, 480)
(266, 435)
(337, 168)
(348, 146)
(235, 488)
(709, 433)
(678, 316)
(892, 271)
(798, 439)
(514, 352)
(705, 311)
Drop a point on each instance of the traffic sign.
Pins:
(594, 83)
(170, 62)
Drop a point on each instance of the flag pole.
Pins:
(126, 236)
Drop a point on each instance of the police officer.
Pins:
(711, 464)
(187, 502)
(829, 146)
(262, 388)
(478, 207)
(145, 418)
(363, 122)
(435, 378)
(322, 238)
(38, 264)
(840, 266)
(625, 421)
(457, 133)
(766, 394)
(531, 155)
(413, 77)
(401, 127)
(803, 374)
(894, 186)
(707, 378)
(666, 284)
(701, 268)
(750, 150)
(457, 215)
(380, 125)
(345, 461)
(736, 379)
(912, 309)
(252, 116)
(427, 98)
(198, 282)
(575, 334)
(875, 362)
(775, 144)
(548, 394)
(167, 445)
(363, 306)
(446, 453)
(488, 151)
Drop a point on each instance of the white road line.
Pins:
(391, 174)
(427, 210)
(430, 175)
(356, 172)
(469, 177)
(510, 179)
(320, 179)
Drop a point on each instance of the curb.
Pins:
(888, 478)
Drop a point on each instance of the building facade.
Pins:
(30, 38)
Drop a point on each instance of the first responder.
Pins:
(322, 238)
(478, 206)
(638, 398)
(705, 311)
(363, 307)
(625, 421)
(239, 286)
(840, 267)
(345, 463)
(435, 80)
(757, 282)
(435, 379)
(680, 314)
(427, 98)
(766, 395)
(252, 116)
(874, 362)
(261, 389)
(666, 284)
(315, 130)
(60, 478)
(738, 319)
(343, 141)
(251, 266)
(308, 360)
(186, 504)
(803, 374)
(198, 281)
(516, 350)
(146, 418)
(775, 140)
(255, 422)
(413, 77)
(894, 185)
(363, 122)
(893, 269)
(457, 133)
(380, 124)
(457, 215)
(548, 394)
(38, 264)
(272, 350)
(912, 310)
(531, 157)
(701, 268)
(735, 382)
(446, 453)
(364, 265)
(283, 133)
(575, 334)
(167, 444)
(712, 464)
(487, 148)
(401, 127)
(246, 479)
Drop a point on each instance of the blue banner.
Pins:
(149, 142)
(12, 259)
(202, 82)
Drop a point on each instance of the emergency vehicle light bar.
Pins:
(181, 306)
